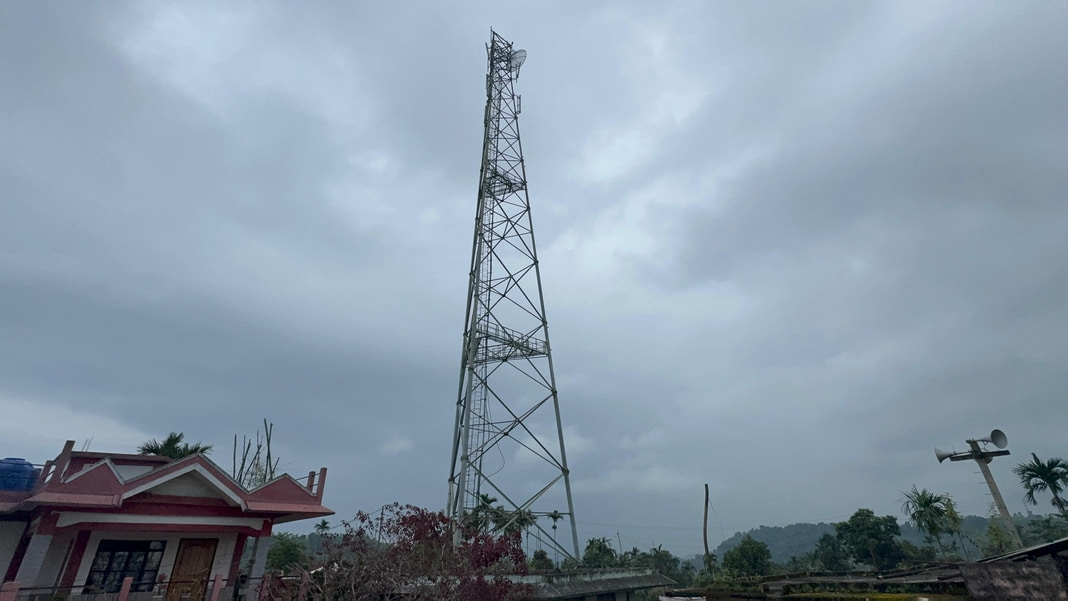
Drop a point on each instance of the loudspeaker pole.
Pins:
(982, 458)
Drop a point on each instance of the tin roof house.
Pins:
(86, 521)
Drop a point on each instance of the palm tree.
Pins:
(599, 553)
(1040, 476)
(933, 514)
(322, 528)
(173, 447)
(485, 514)
(511, 522)
(555, 516)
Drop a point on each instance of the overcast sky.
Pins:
(787, 248)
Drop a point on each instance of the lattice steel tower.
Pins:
(508, 443)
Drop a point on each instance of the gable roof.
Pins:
(95, 481)
(217, 483)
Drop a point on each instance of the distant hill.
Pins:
(795, 540)
(784, 542)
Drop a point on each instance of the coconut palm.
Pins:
(173, 447)
(1040, 476)
(931, 513)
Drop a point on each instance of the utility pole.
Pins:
(708, 558)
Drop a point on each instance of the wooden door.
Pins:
(192, 569)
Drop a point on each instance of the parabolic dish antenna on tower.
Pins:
(518, 57)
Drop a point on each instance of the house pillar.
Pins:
(9, 591)
(34, 559)
(260, 549)
(17, 554)
(31, 560)
(259, 562)
(74, 560)
(124, 592)
(235, 562)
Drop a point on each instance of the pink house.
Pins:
(89, 520)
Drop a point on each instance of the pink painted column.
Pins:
(216, 587)
(9, 591)
(124, 592)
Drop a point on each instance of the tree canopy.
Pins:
(870, 539)
(829, 555)
(287, 552)
(750, 558)
(488, 516)
(540, 560)
(599, 554)
(409, 549)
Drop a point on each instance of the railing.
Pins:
(48, 471)
(214, 590)
(499, 183)
(509, 344)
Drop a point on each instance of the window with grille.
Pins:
(118, 559)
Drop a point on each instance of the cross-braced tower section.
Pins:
(509, 468)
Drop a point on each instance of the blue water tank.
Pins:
(17, 474)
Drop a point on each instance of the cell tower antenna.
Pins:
(509, 467)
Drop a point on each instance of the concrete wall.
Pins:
(129, 472)
(1014, 580)
(189, 485)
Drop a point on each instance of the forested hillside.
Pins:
(795, 540)
(784, 542)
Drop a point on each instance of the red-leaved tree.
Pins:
(408, 552)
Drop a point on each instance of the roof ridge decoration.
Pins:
(276, 479)
(91, 467)
(196, 464)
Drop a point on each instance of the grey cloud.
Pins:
(290, 240)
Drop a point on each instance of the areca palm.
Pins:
(933, 514)
(322, 528)
(173, 447)
(1041, 476)
(511, 521)
(555, 516)
(482, 517)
